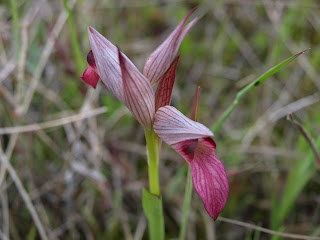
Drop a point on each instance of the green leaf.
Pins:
(251, 86)
(152, 206)
(32, 235)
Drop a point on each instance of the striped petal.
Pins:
(173, 127)
(193, 142)
(159, 61)
(107, 62)
(138, 92)
(90, 75)
(164, 88)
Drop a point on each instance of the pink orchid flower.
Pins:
(190, 139)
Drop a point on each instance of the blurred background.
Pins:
(73, 161)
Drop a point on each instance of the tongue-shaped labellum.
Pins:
(193, 142)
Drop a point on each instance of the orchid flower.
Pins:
(190, 139)
(126, 82)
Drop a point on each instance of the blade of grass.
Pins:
(24, 194)
(257, 234)
(266, 230)
(307, 136)
(15, 26)
(298, 177)
(249, 87)
(80, 64)
(186, 206)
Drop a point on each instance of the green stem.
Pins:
(186, 206)
(153, 161)
(152, 202)
(225, 115)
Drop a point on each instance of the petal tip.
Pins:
(192, 11)
(91, 30)
(161, 58)
(93, 33)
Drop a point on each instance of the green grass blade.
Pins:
(186, 206)
(249, 87)
(79, 60)
(15, 26)
(296, 181)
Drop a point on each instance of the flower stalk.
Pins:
(153, 162)
(152, 202)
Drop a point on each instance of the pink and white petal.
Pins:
(90, 77)
(208, 174)
(138, 93)
(160, 60)
(107, 62)
(165, 86)
(173, 127)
